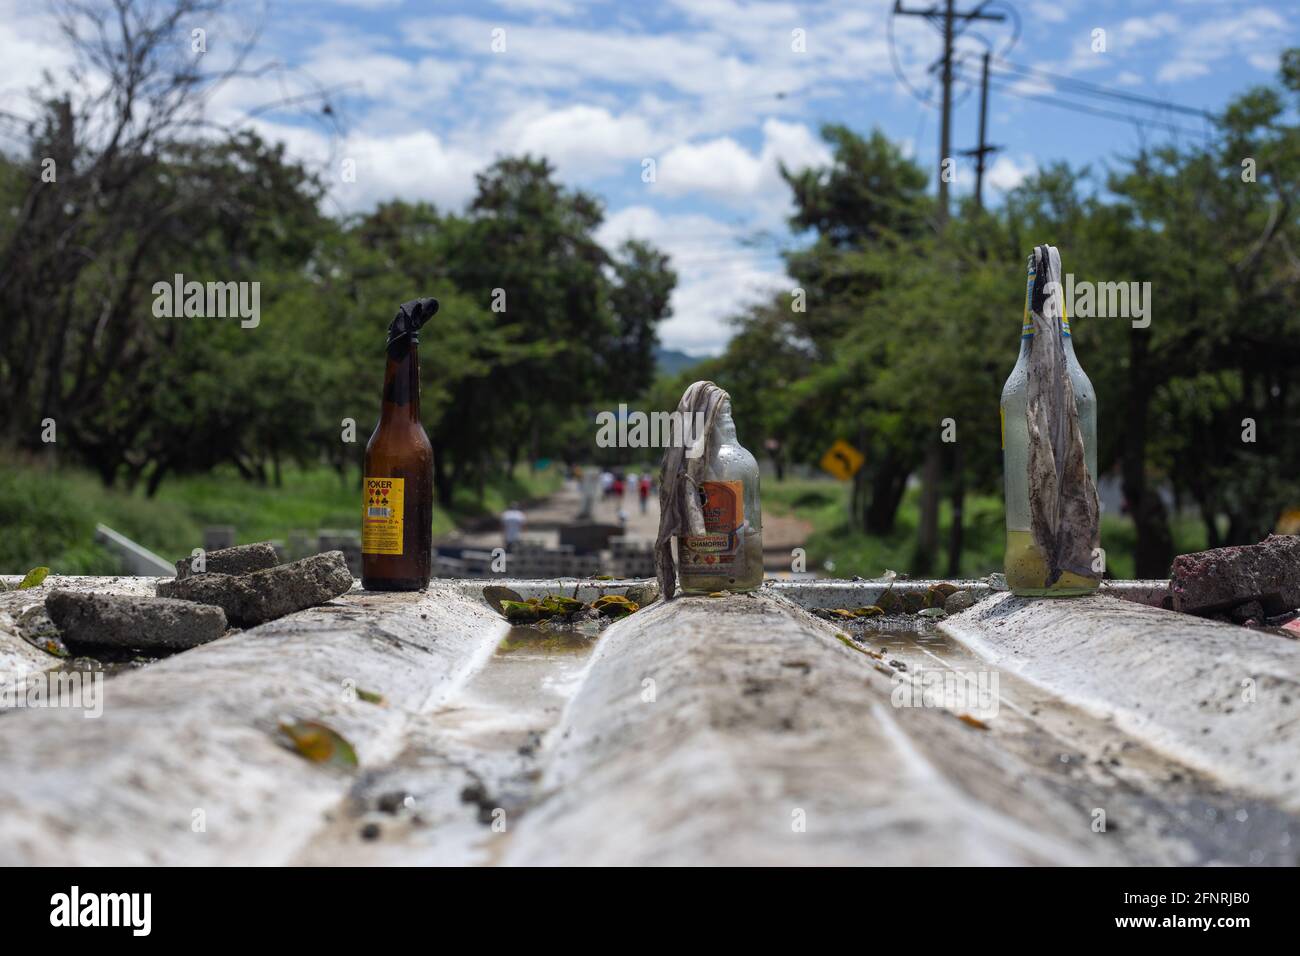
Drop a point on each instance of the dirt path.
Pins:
(781, 533)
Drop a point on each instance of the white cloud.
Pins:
(1251, 34)
(1181, 69)
(722, 169)
(1007, 173)
(717, 275)
(26, 51)
(580, 140)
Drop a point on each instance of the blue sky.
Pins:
(716, 92)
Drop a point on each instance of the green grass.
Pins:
(48, 517)
(851, 551)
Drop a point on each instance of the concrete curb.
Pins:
(1174, 681)
(760, 717)
(185, 765)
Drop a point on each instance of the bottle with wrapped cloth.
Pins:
(1049, 449)
(729, 555)
(710, 523)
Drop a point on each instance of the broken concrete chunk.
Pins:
(251, 599)
(241, 560)
(959, 601)
(115, 620)
(1222, 578)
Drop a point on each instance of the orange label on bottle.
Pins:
(718, 550)
(381, 516)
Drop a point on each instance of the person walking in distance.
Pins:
(512, 525)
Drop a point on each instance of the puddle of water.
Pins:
(527, 641)
(470, 765)
(534, 671)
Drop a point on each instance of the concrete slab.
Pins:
(739, 729)
(742, 731)
(1218, 697)
(186, 766)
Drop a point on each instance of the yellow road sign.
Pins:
(843, 460)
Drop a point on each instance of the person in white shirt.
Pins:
(512, 524)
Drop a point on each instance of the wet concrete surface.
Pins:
(470, 768)
(457, 779)
(1162, 811)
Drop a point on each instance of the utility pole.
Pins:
(945, 139)
(946, 21)
(983, 149)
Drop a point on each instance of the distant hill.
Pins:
(671, 361)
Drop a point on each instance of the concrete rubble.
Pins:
(140, 623)
(238, 560)
(1221, 579)
(22, 619)
(261, 596)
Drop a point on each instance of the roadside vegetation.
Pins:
(839, 547)
(48, 517)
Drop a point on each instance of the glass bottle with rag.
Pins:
(709, 502)
(1049, 442)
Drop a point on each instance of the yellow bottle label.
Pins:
(381, 518)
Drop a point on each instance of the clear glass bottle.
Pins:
(1025, 565)
(729, 556)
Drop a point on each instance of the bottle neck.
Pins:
(1027, 323)
(402, 384)
(724, 427)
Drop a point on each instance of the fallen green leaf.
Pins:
(319, 743)
(615, 605)
(520, 612)
(33, 578)
(562, 606)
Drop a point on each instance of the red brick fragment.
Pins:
(1222, 578)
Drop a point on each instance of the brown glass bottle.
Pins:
(397, 492)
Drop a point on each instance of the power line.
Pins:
(1008, 87)
(1096, 89)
